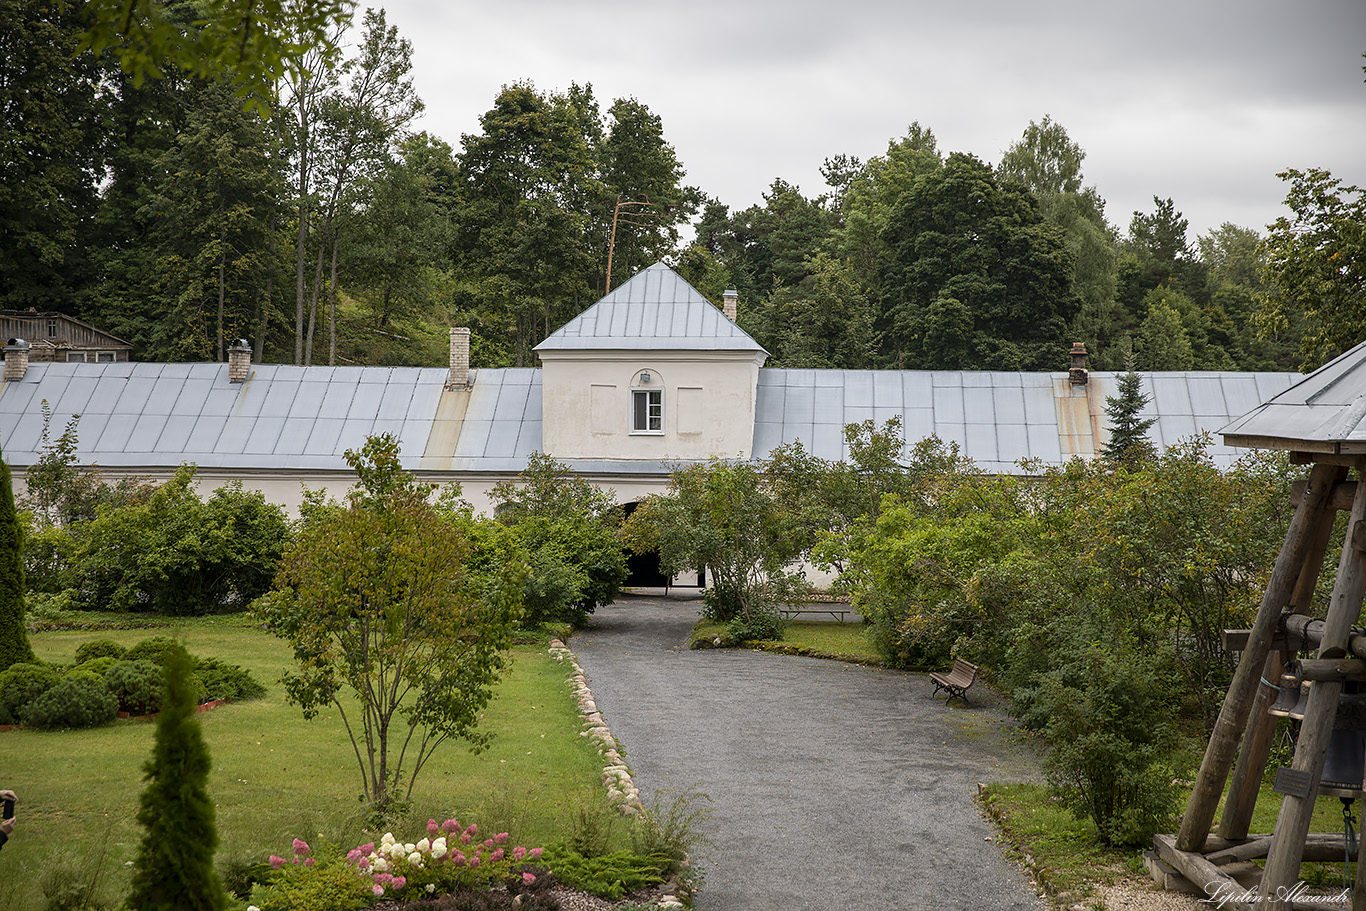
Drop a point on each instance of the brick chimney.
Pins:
(730, 302)
(16, 360)
(460, 357)
(1077, 374)
(239, 361)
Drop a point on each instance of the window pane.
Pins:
(638, 399)
(656, 410)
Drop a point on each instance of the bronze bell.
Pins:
(1344, 764)
(1288, 693)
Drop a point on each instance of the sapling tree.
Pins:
(381, 598)
(1128, 430)
(174, 869)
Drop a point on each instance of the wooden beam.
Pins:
(1319, 847)
(1233, 716)
(1336, 670)
(1344, 608)
(1196, 868)
(1339, 499)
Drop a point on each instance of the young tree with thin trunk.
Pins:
(14, 645)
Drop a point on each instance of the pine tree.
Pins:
(1128, 432)
(174, 870)
(14, 645)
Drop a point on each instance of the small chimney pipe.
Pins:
(460, 357)
(1077, 374)
(16, 360)
(239, 361)
(730, 302)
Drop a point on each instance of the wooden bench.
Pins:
(835, 611)
(956, 681)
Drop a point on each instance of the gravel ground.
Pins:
(834, 785)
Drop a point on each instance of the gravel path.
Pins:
(835, 785)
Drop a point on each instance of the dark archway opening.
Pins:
(643, 571)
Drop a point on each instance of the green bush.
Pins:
(154, 649)
(138, 686)
(20, 684)
(97, 666)
(762, 623)
(78, 700)
(98, 648)
(222, 680)
(608, 876)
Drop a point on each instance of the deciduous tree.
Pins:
(14, 645)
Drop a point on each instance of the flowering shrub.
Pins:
(448, 858)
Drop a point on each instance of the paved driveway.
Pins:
(835, 785)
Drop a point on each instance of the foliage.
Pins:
(250, 42)
(1110, 731)
(568, 526)
(137, 685)
(222, 680)
(379, 598)
(156, 649)
(174, 866)
(1316, 260)
(177, 554)
(1128, 440)
(608, 876)
(21, 684)
(673, 826)
(75, 701)
(98, 648)
(724, 516)
(14, 645)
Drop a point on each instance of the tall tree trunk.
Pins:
(222, 285)
(332, 310)
(313, 308)
(264, 301)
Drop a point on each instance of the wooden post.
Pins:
(1261, 727)
(1292, 825)
(1214, 768)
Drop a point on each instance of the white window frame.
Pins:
(653, 411)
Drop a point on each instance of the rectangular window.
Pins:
(52, 328)
(647, 411)
(75, 357)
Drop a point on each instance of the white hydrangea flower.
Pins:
(388, 839)
(415, 859)
(439, 848)
(424, 846)
(380, 865)
(431, 887)
(410, 848)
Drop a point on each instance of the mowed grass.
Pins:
(276, 776)
(817, 638)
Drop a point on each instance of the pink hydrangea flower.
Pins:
(383, 878)
(363, 864)
(301, 847)
(433, 829)
(474, 861)
(496, 856)
(450, 826)
(528, 879)
(518, 853)
(501, 838)
(399, 882)
(310, 861)
(377, 889)
(368, 848)
(276, 862)
(488, 843)
(458, 858)
(535, 854)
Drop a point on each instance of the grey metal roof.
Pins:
(997, 419)
(157, 416)
(142, 415)
(654, 310)
(1325, 411)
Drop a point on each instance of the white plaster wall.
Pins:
(708, 400)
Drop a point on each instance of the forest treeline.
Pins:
(320, 226)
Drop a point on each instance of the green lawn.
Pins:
(276, 776)
(816, 638)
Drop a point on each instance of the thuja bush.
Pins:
(98, 648)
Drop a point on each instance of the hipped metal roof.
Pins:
(1324, 412)
(656, 310)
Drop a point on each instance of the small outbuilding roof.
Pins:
(1323, 412)
(656, 310)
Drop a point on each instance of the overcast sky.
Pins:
(1200, 100)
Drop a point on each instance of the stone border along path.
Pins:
(832, 785)
(616, 777)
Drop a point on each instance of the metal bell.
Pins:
(1344, 766)
(1286, 697)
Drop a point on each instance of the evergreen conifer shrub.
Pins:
(14, 645)
(174, 869)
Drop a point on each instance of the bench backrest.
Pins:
(962, 668)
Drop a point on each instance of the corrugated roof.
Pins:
(1325, 410)
(654, 310)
